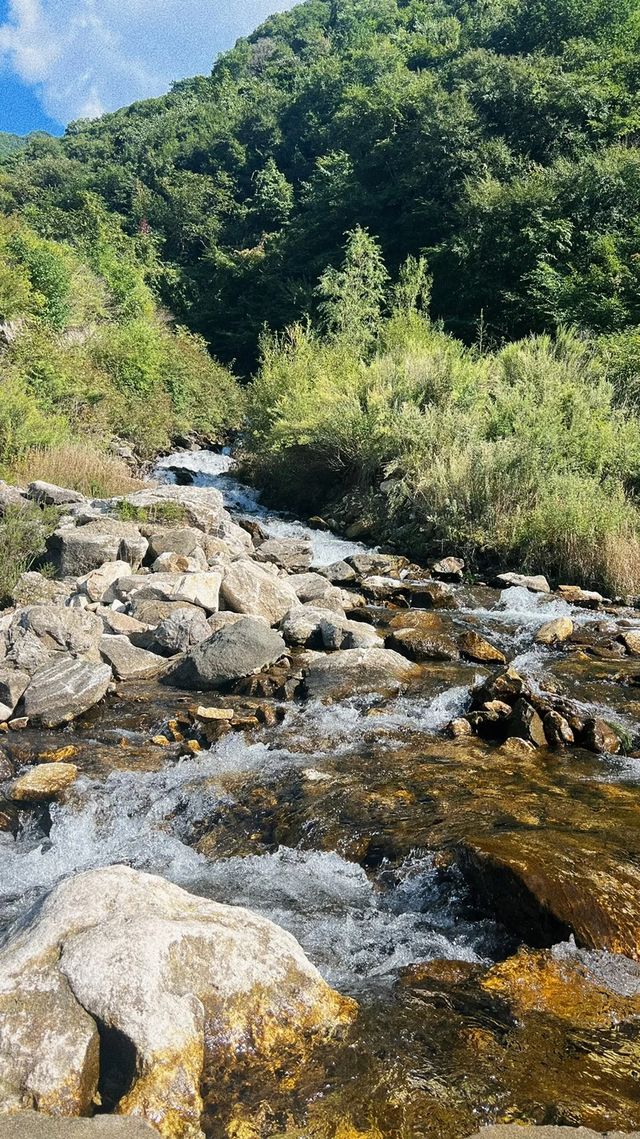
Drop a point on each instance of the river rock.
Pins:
(129, 662)
(235, 651)
(429, 595)
(58, 629)
(76, 550)
(98, 583)
(13, 684)
(338, 573)
(586, 598)
(302, 627)
(47, 781)
(183, 540)
(250, 589)
(536, 584)
(48, 494)
(547, 885)
(449, 569)
(172, 974)
(631, 642)
(557, 730)
(197, 506)
(314, 589)
(292, 554)
(357, 671)
(526, 724)
(179, 563)
(180, 630)
(555, 632)
(600, 737)
(522, 1131)
(33, 1125)
(376, 565)
(64, 689)
(476, 648)
(422, 635)
(200, 589)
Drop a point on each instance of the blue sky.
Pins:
(67, 59)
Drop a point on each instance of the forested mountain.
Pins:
(499, 136)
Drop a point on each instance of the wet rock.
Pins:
(507, 686)
(586, 598)
(233, 652)
(42, 783)
(546, 885)
(64, 689)
(357, 635)
(292, 554)
(460, 728)
(600, 737)
(199, 589)
(449, 569)
(429, 595)
(171, 974)
(184, 540)
(526, 723)
(421, 635)
(76, 550)
(357, 671)
(631, 642)
(250, 589)
(376, 565)
(129, 662)
(179, 563)
(47, 494)
(13, 685)
(557, 730)
(181, 630)
(517, 748)
(98, 583)
(536, 584)
(475, 647)
(555, 632)
(520, 1131)
(34, 1125)
(339, 573)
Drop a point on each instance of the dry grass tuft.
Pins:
(76, 466)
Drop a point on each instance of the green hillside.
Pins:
(10, 144)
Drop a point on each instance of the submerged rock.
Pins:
(177, 980)
(34, 1125)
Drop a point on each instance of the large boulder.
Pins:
(59, 628)
(314, 588)
(97, 584)
(422, 635)
(292, 554)
(48, 494)
(64, 689)
(197, 506)
(536, 584)
(180, 631)
(201, 589)
(76, 550)
(184, 540)
(33, 1125)
(176, 980)
(249, 588)
(232, 653)
(356, 672)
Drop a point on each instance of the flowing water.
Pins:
(341, 823)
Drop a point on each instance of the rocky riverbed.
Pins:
(300, 839)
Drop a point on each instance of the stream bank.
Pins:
(477, 896)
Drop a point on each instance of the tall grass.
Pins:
(521, 457)
(76, 466)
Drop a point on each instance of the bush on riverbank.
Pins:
(520, 455)
(85, 352)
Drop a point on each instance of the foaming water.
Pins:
(209, 469)
(518, 614)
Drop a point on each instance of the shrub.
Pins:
(23, 536)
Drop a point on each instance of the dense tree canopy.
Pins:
(499, 138)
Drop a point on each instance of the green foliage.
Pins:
(160, 512)
(23, 536)
(352, 296)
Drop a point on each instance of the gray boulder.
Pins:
(48, 494)
(61, 690)
(183, 979)
(129, 662)
(357, 672)
(59, 629)
(316, 589)
(200, 589)
(151, 613)
(339, 573)
(251, 589)
(292, 554)
(76, 550)
(197, 506)
(183, 540)
(235, 651)
(181, 630)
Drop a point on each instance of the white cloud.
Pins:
(89, 56)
